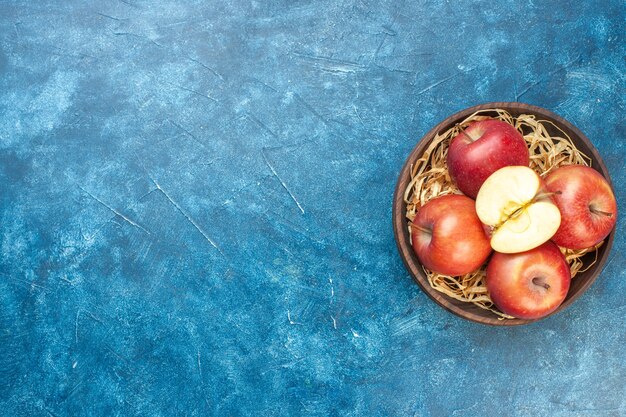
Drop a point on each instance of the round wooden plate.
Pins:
(468, 311)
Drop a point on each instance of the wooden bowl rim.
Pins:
(401, 235)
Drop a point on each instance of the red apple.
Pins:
(480, 150)
(587, 204)
(531, 284)
(447, 236)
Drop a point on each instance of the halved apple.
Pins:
(519, 212)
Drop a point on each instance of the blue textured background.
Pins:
(196, 202)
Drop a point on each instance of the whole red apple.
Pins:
(480, 150)
(529, 285)
(587, 204)
(448, 237)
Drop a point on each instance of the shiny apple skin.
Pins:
(471, 162)
(457, 243)
(511, 287)
(579, 188)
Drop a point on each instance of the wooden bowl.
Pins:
(469, 311)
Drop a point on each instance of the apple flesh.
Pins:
(480, 150)
(448, 237)
(516, 208)
(587, 204)
(531, 284)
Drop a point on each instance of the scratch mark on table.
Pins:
(17, 32)
(110, 349)
(293, 197)
(611, 259)
(430, 87)
(128, 3)
(187, 216)
(203, 65)
(51, 413)
(212, 99)
(94, 317)
(402, 325)
(147, 194)
(135, 35)
(188, 133)
(283, 365)
(261, 124)
(312, 110)
(289, 224)
(292, 322)
(387, 31)
(264, 84)
(72, 391)
(117, 213)
(358, 115)
(64, 278)
(285, 249)
(111, 17)
(380, 45)
(76, 326)
(453, 412)
(331, 64)
(29, 283)
(199, 363)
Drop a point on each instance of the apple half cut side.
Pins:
(517, 209)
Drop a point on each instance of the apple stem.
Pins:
(544, 195)
(541, 283)
(421, 229)
(596, 211)
(468, 136)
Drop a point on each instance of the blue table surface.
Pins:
(195, 207)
